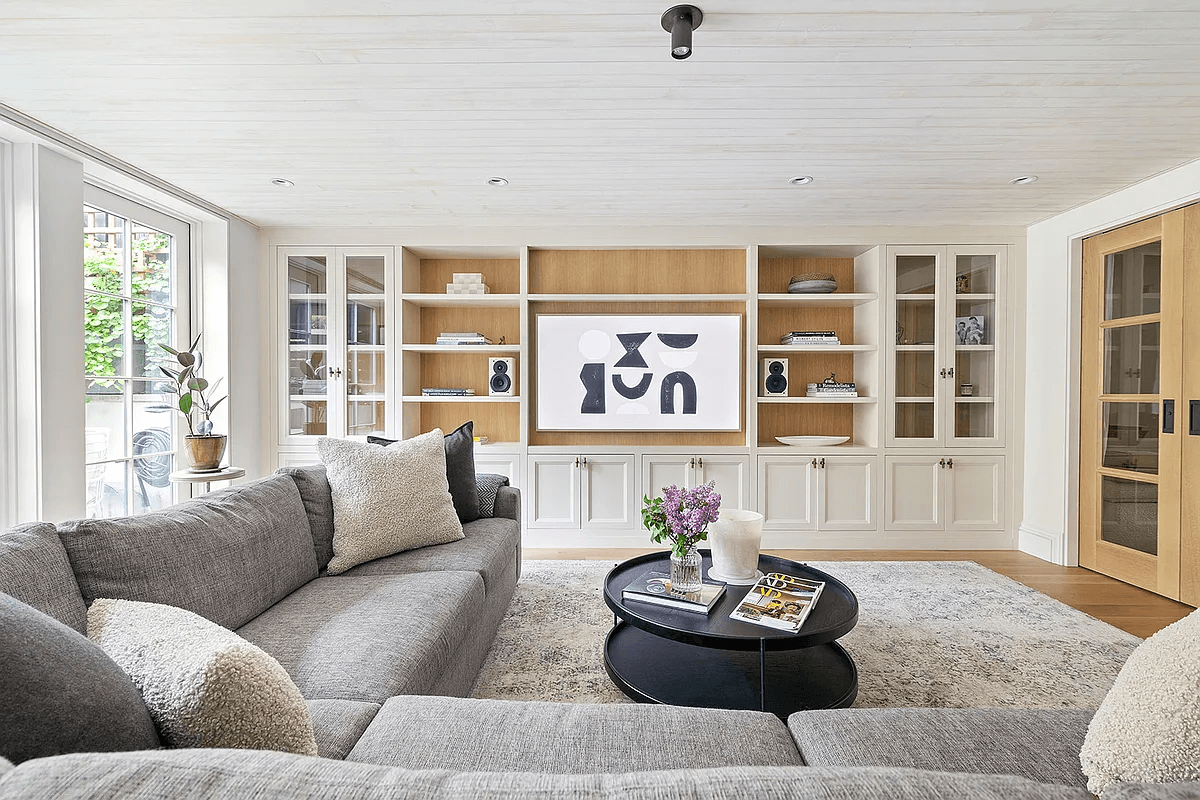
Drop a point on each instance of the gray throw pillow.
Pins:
(59, 693)
(1148, 725)
(387, 499)
(205, 686)
(460, 469)
(34, 568)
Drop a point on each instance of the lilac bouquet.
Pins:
(681, 515)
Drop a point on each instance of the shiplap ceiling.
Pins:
(396, 112)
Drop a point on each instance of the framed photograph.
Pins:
(970, 330)
(639, 372)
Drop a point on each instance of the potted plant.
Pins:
(205, 449)
(682, 516)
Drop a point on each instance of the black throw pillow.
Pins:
(460, 469)
(60, 693)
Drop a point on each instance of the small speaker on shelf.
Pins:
(500, 377)
(774, 376)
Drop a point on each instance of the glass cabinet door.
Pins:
(366, 350)
(977, 338)
(308, 362)
(915, 283)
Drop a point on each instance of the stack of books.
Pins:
(472, 337)
(810, 338)
(832, 389)
(435, 391)
(467, 283)
(655, 587)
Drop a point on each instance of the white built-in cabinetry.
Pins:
(895, 313)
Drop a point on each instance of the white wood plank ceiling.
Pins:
(396, 112)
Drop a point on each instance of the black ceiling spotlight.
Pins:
(681, 21)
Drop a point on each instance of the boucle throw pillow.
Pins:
(387, 499)
(460, 469)
(204, 685)
(1148, 725)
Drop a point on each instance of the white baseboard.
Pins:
(785, 540)
(1046, 545)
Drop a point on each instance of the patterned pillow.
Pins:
(387, 499)
(488, 486)
(204, 685)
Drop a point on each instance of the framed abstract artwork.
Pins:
(639, 372)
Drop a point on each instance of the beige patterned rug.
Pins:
(930, 634)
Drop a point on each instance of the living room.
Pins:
(336, 169)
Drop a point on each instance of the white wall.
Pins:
(1050, 524)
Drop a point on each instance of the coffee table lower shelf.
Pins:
(653, 669)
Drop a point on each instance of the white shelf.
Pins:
(637, 298)
(309, 398)
(928, 400)
(929, 297)
(817, 348)
(974, 348)
(915, 348)
(367, 296)
(373, 397)
(461, 348)
(974, 399)
(777, 300)
(969, 297)
(464, 300)
(762, 399)
(307, 348)
(778, 449)
(471, 398)
(366, 348)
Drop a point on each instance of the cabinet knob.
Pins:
(692, 465)
(336, 372)
(942, 463)
(576, 462)
(822, 463)
(700, 462)
(943, 372)
(950, 463)
(814, 463)
(950, 372)
(583, 462)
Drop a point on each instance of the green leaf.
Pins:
(172, 375)
(195, 343)
(213, 407)
(186, 359)
(197, 384)
(185, 403)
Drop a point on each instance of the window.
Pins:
(135, 301)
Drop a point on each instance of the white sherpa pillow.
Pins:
(388, 499)
(1148, 726)
(204, 685)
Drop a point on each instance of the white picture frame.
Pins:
(639, 372)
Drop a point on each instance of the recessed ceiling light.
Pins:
(1024, 179)
(497, 181)
(800, 180)
(282, 182)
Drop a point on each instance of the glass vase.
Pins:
(686, 571)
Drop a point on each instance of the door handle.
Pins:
(1168, 418)
(1194, 422)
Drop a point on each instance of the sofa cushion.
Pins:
(338, 724)
(34, 569)
(277, 776)
(204, 685)
(59, 693)
(459, 445)
(318, 505)
(1148, 725)
(5, 766)
(487, 547)
(371, 637)
(1039, 744)
(387, 499)
(461, 734)
(227, 556)
(1185, 790)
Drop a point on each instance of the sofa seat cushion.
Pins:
(369, 637)
(227, 556)
(60, 693)
(264, 775)
(524, 736)
(488, 547)
(1039, 744)
(34, 568)
(338, 724)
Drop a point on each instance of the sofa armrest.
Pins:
(508, 503)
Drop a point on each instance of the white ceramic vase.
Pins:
(735, 536)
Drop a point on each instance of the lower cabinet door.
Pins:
(848, 486)
(913, 488)
(508, 465)
(731, 474)
(975, 493)
(609, 493)
(553, 496)
(660, 470)
(787, 496)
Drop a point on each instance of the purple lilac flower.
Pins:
(689, 511)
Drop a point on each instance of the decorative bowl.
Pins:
(812, 441)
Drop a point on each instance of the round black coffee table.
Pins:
(657, 654)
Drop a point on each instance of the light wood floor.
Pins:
(1127, 607)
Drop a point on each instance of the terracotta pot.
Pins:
(206, 452)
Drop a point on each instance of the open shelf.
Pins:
(464, 300)
(507, 349)
(849, 400)
(849, 299)
(637, 298)
(817, 348)
(471, 398)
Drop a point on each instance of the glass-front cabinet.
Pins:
(945, 371)
(338, 313)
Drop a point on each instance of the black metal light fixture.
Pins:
(680, 21)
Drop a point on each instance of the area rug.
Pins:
(949, 634)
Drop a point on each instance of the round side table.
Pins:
(207, 478)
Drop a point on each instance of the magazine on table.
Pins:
(655, 587)
(779, 601)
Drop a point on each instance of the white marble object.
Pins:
(735, 537)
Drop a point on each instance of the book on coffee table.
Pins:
(779, 601)
(655, 587)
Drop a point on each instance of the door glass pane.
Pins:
(1132, 281)
(364, 322)
(1131, 359)
(104, 413)
(363, 417)
(364, 275)
(151, 276)
(916, 274)
(1130, 437)
(309, 321)
(915, 322)
(914, 421)
(974, 419)
(103, 335)
(1129, 514)
(914, 374)
(365, 373)
(308, 373)
(307, 275)
(975, 275)
(152, 325)
(307, 417)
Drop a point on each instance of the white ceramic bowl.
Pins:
(811, 441)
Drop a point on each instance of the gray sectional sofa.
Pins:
(385, 654)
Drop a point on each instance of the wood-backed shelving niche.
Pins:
(428, 311)
(634, 282)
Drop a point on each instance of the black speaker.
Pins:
(500, 377)
(774, 376)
